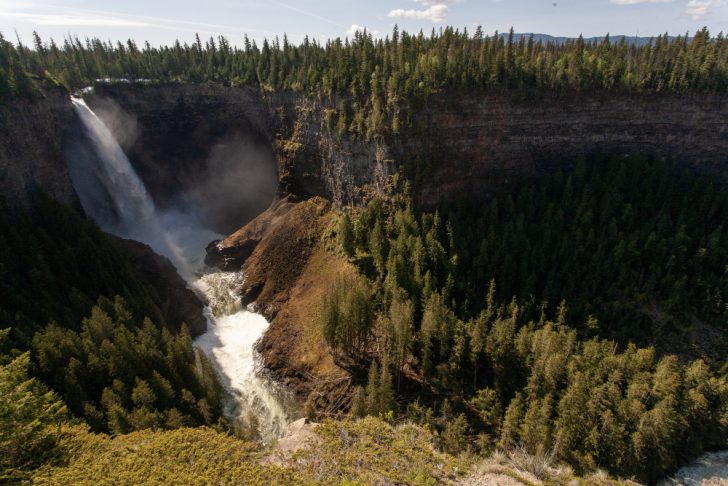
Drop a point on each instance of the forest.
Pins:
(376, 82)
(78, 316)
(560, 352)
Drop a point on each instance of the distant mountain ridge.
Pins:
(546, 38)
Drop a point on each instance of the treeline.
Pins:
(15, 75)
(582, 256)
(402, 64)
(381, 76)
(94, 326)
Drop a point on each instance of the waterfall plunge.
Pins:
(232, 330)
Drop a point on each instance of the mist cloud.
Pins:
(122, 124)
(239, 181)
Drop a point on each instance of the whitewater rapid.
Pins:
(230, 343)
(254, 406)
(709, 469)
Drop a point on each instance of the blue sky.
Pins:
(161, 22)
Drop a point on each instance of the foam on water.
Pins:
(710, 469)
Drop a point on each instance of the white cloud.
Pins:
(437, 13)
(698, 9)
(358, 28)
(430, 3)
(635, 2)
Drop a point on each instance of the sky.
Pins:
(162, 21)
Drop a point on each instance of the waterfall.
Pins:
(255, 403)
(127, 191)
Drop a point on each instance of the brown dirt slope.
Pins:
(293, 263)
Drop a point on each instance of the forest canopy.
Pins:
(517, 320)
(382, 71)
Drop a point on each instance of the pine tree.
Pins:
(386, 391)
(488, 405)
(510, 432)
(453, 436)
(30, 416)
(346, 235)
(378, 246)
(373, 398)
(401, 315)
(359, 403)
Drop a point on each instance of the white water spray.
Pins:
(232, 330)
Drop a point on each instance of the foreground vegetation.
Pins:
(40, 443)
(518, 367)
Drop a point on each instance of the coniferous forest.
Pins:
(532, 316)
(379, 81)
(95, 327)
(579, 315)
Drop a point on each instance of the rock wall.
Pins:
(31, 148)
(486, 140)
(471, 145)
(218, 148)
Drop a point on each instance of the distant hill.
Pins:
(545, 38)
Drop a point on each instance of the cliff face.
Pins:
(487, 140)
(31, 148)
(226, 151)
(459, 144)
(470, 145)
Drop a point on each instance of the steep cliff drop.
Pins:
(115, 198)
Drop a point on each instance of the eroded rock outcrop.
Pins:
(272, 250)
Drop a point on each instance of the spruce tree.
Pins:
(346, 235)
(359, 403)
(386, 391)
(373, 399)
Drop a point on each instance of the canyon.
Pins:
(281, 168)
